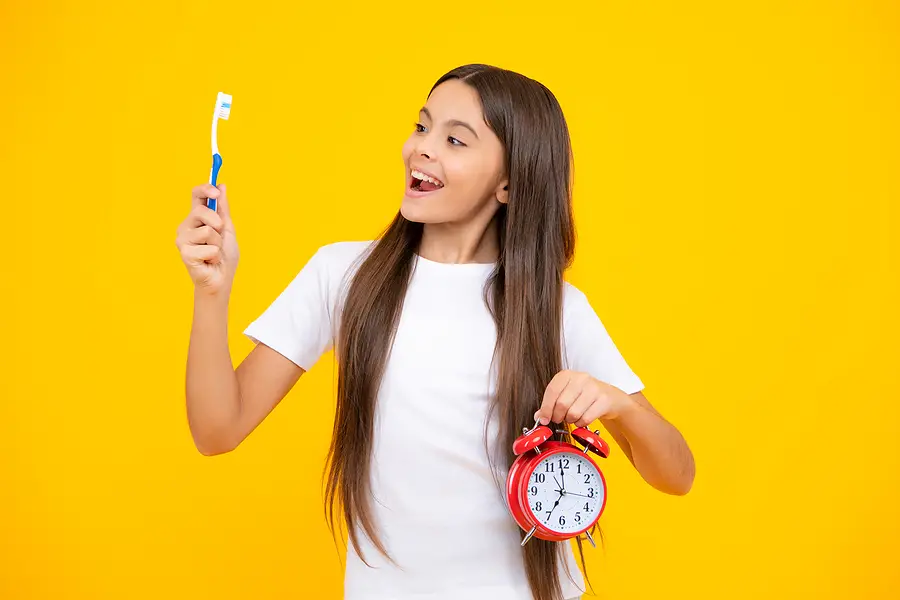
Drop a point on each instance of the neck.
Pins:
(458, 243)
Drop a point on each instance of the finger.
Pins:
(554, 389)
(201, 192)
(196, 255)
(594, 412)
(565, 401)
(223, 207)
(205, 235)
(582, 404)
(201, 215)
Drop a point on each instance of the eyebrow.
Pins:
(451, 122)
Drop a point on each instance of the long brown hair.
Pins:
(524, 294)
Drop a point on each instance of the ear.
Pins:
(503, 192)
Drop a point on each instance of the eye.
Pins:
(419, 128)
(452, 139)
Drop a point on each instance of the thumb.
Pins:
(224, 209)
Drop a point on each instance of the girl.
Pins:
(452, 332)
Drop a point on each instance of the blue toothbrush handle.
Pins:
(214, 173)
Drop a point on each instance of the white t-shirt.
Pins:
(437, 505)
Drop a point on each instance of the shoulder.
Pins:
(588, 347)
(573, 298)
(336, 263)
(578, 314)
(341, 255)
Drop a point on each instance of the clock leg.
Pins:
(528, 537)
(590, 539)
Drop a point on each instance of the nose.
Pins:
(424, 148)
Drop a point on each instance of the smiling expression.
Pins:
(454, 162)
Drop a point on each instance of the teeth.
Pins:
(422, 176)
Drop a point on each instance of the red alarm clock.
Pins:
(555, 490)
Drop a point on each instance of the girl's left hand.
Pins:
(578, 398)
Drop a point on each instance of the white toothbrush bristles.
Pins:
(223, 104)
(222, 111)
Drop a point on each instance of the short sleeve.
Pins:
(588, 348)
(298, 323)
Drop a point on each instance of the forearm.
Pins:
(211, 386)
(659, 452)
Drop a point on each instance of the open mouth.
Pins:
(421, 182)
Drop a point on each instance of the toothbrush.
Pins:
(222, 110)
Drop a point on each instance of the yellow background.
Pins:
(736, 196)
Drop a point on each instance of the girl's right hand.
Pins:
(207, 241)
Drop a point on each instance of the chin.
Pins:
(413, 211)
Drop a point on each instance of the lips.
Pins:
(424, 175)
(413, 192)
(421, 183)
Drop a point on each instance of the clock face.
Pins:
(565, 492)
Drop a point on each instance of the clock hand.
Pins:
(550, 514)
(574, 494)
(559, 488)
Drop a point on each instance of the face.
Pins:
(566, 492)
(464, 160)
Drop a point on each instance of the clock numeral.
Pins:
(548, 467)
(579, 468)
(540, 477)
(533, 490)
(586, 506)
(562, 520)
(561, 467)
(590, 492)
(538, 506)
(578, 517)
(587, 478)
